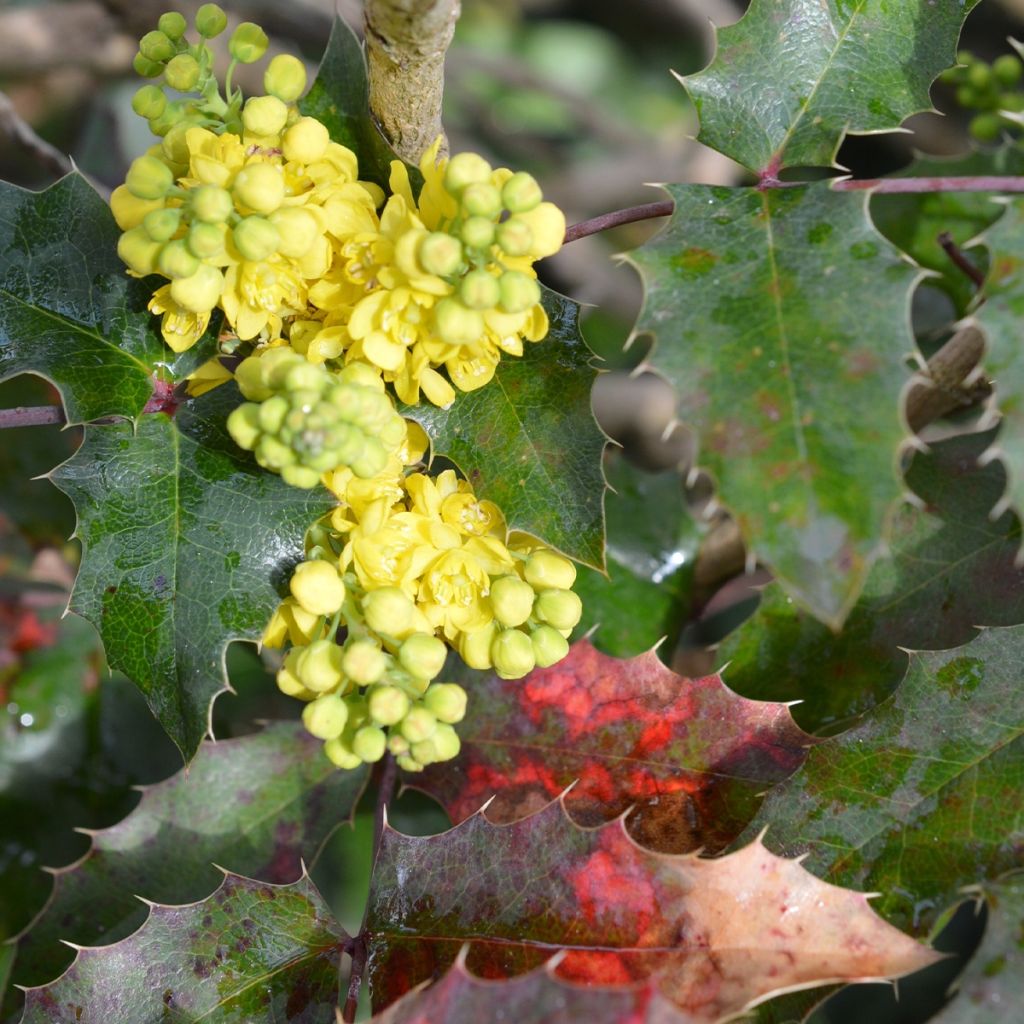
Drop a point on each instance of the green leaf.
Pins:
(925, 596)
(789, 377)
(186, 543)
(924, 796)
(529, 442)
(262, 805)
(340, 98)
(994, 978)
(69, 310)
(792, 77)
(252, 952)
(651, 551)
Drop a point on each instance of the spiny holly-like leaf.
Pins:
(186, 543)
(1002, 315)
(992, 985)
(252, 952)
(925, 794)
(340, 99)
(792, 77)
(651, 550)
(688, 754)
(261, 804)
(539, 997)
(713, 935)
(951, 569)
(529, 441)
(756, 301)
(68, 310)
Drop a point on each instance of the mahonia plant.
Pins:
(991, 89)
(339, 295)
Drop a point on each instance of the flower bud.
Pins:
(519, 291)
(479, 290)
(174, 146)
(149, 101)
(161, 224)
(172, 24)
(477, 232)
(305, 141)
(182, 72)
(285, 78)
(300, 476)
(172, 114)
(210, 204)
(408, 763)
(457, 325)
(297, 229)
(369, 743)
(465, 169)
(255, 238)
(205, 240)
(475, 647)
(303, 376)
(260, 187)
(243, 425)
(418, 724)
(443, 745)
(210, 21)
(481, 200)
(146, 67)
(264, 115)
(138, 251)
(515, 237)
(986, 127)
(545, 569)
(248, 43)
(387, 705)
(176, 261)
(149, 178)
(317, 586)
(512, 600)
(250, 377)
(199, 292)
(290, 684)
(129, 211)
(325, 717)
(364, 662)
(275, 364)
(1007, 70)
(319, 666)
(155, 46)
(559, 608)
(549, 646)
(439, 253)
(521, 193)
(447, 701)
(512, 654)
(422, 655)
(341, 754)
(273, 454)
(388, 611)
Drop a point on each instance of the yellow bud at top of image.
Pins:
(285, 78)
(317, 587)
(264, 115)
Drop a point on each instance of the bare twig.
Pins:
(612, 220)
(406, 42)
(959, 259)
(943, 389)
(31, 416)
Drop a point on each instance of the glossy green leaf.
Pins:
(790, 379)
(950, 569)
(252, 952)
(69, 310)
(529, 442)
(792, 77)
(261, 805)
(187, 543)
(924, 796)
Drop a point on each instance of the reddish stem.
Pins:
(31, 416)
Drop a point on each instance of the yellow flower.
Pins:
(180, 328)
(210, 375)
(453, 593)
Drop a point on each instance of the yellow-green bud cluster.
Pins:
(303, 421)
(991, 89)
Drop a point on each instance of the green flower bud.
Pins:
(443, 745)
(273, 454)
(210, 21)
(306, 141)
(149, 178)
(260, 187)
(155, 46)
(303, 376)
(244, 425)
(408, 763)
(325, 717)
(519, 291)
(514, 237)
(250, 377)
(521, 193)
(298, 230)
(1012, 101)
(512, 600)
(549, 646)
(199, 292)
(967, 97)
(1007, 70)
(559, 608)
(319, 666)
(210, 204)
(965, 57)
(146, 67)
(422, 655)
(387, 705)
(248, 43)
(457, 325)
(272, 414)
(364, 662)
(512, 654)
(475, 647)
(182, 72)
(138, 251)
(161, 225)
(276, 364)
(172, 24)
(369, 743)
(317, 586)
(986, 127)
(371, 461)
(205, 240)
(465, 169)
(398, 744)
(479, 290)
(255, 238)
(418, 724)
(481, 200)
(341, 754)
(388, 611)
(979, 75)
(176, 261)
(439, 253)
(447, 701)
(477, 232)
(264, 115)
(149, 101)
(174, 146)
(285, 78)
(290, 684)
(300, 476)
(544, 569)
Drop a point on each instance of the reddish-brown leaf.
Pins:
(689, 755)
(713, 935)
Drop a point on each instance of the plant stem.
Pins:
(959, 259)
(31, 416)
